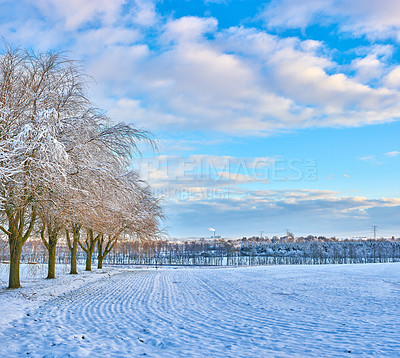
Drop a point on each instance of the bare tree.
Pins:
(131, 212)
(88, 245)
(73, 245)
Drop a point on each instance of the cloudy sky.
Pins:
(272, 115)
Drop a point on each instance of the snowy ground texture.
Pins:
(275, 311)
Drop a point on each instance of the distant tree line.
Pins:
(221, 252)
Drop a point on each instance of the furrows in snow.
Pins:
(265, 311)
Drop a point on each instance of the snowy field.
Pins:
(36, 290)
(275, 311)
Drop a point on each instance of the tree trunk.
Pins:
(16, 239)
(74, 250)
(15, 259)
(51, 245)
(51, 272)
(90, 243)
(100, 254)
(104, 250)
(88, 261)
(100, 262)
(73, 246)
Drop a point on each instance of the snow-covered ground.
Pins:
(36, 290)
(275, 311)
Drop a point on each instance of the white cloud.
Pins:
(189, 28)
(392, 80)
(375, 19)
(395, 153)
(194, 82)
(379, 50)
(94, 43)
(129, 110)
(276, 210)
(293, 14)
(143, 13)
(371, 159)
(368, 158)
(205, 172)
(368, 68)
(76, 12)
(240, 178)
(191, 75)
(243, 82)
(300, 73)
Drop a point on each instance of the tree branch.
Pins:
(31, 225)
(8, 233)
(82, 247)
(43, 238)
(68, 240)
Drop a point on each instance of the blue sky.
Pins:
(270, 115)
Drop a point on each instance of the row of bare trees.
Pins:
(64, 166)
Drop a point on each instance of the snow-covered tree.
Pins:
(61, 159)
(39, 96)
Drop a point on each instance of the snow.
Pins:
(36, 290)
(272, 311)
